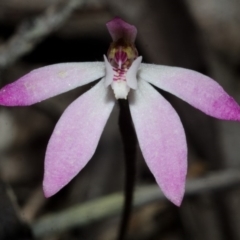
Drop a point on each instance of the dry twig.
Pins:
(32, 32)
(111, 205)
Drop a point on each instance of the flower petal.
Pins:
(131, 76)
(161, 138)
(120, 29)
(109, 72)
(50, 81)
(195, 88)
(75, 137)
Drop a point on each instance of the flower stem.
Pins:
(129, 144)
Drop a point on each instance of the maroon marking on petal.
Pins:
(119, 74)
(120, 57)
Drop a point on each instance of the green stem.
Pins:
(129, 144)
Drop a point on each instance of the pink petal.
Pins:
(75, 137)
(195, 88)
(49, 81)
(161, 138)
(120, 29)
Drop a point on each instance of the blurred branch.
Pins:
(49, 109)
(32, 32)
(11, 226)
(33, 205)
(111, 205)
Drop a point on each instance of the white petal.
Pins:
(109, 72)
(131, 76)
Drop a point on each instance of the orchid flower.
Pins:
(123, 76)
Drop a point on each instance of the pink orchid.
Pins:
(159, 130)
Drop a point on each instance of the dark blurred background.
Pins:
(200, 35)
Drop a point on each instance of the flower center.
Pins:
(121, 67)
(121, 54)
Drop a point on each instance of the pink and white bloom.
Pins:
(159, 130)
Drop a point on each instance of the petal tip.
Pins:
(177, 200)
(50, 188)
(14, 95)
(227, 108)
(174, 192)
(47, 194)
